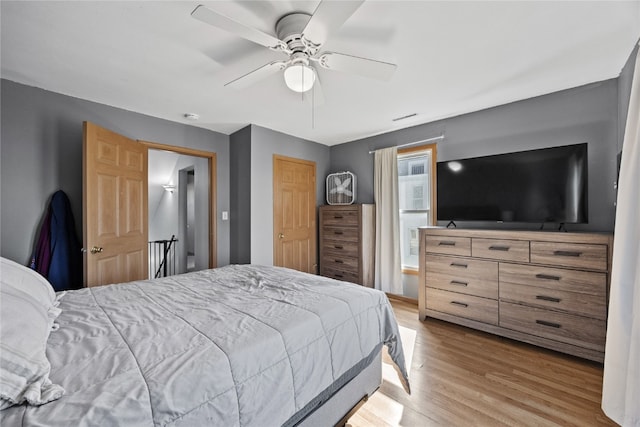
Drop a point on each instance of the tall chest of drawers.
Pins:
(545, 288)
(347, 243)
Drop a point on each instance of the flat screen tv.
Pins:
(544, 185)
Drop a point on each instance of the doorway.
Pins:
(181, 208)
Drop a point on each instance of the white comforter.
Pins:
(238, 345)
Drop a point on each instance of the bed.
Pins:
(233, 346)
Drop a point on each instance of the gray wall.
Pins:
(240, 197)
(584, 114)
(41, 152)
(163, 216)
(264, 144)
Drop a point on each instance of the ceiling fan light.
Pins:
(299, 77)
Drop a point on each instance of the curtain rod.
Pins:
(435, 138)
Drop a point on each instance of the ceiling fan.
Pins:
(300, 36)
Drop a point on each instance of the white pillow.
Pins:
(27, 311)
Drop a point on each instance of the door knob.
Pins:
(280, 236)
(96, 250)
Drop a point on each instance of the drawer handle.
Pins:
(338, 232)
(339, 261)
(338, 216)
(499, 248)
(546, 298)
(456, 282)
(461, 304)
(338, 246)
(567, 253)
(458, 264)
(446, 243)
(550, 324)
(547, 277)
(338, 275)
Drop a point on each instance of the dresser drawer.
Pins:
(448, 245)
(475, 308)
(340, 217)
(346, 264)
(500, 249)
(563, 327)
(340, 234)
(340, 249)
(340, 275)
(580, 255)
(586, 282)
(571, 302)
(467, 276)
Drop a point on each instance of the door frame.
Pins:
(213, 210)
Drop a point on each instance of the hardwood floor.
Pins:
(463, 377)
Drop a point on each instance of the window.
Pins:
(415, 193)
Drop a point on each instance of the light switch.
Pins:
(225, 215)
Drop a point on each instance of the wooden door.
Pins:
(294, 214)
(114, 207)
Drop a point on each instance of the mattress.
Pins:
(234, 346)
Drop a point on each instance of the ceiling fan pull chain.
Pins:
(313, 107)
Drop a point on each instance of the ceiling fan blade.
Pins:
(257, 75)
(327, 18)
(356, 65)
(218, 20)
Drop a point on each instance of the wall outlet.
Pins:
(225, 215)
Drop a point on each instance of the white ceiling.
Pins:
(453, 58)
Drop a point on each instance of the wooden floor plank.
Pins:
(463, 377)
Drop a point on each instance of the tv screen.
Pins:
(545, 185)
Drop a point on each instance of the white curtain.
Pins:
(388, 277)
(621, 386)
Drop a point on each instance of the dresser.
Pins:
(347, 243)
(544, 288)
